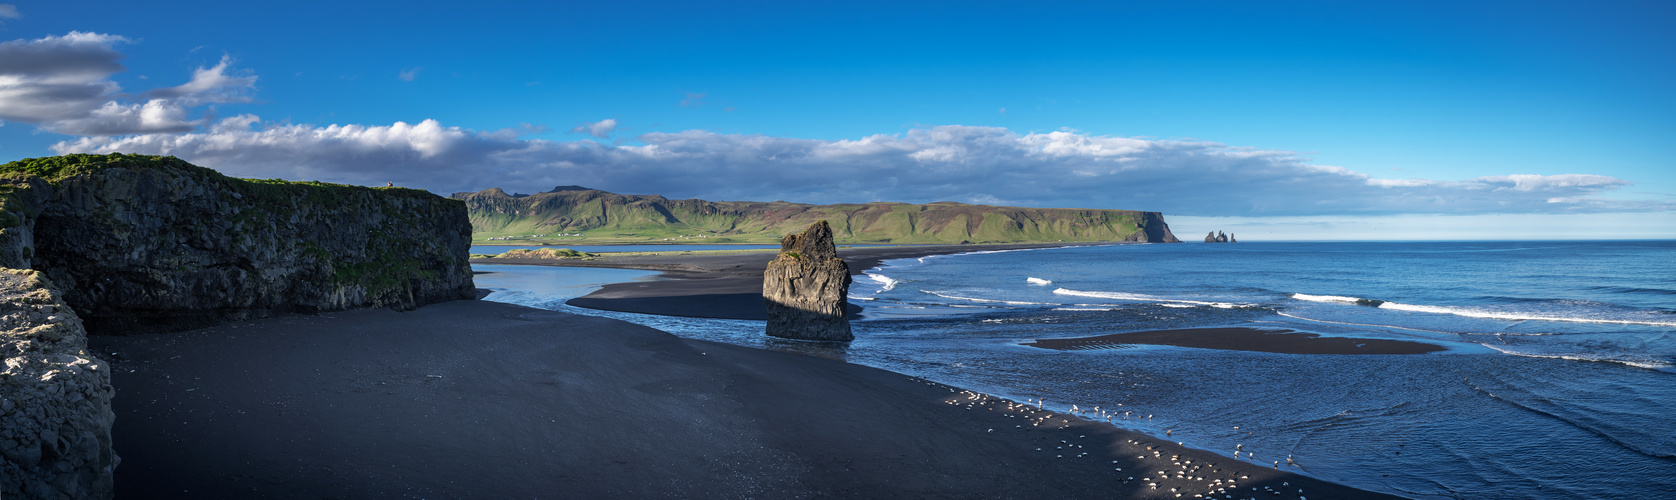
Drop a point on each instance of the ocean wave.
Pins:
(1082, 308)
(888, 282)
(998, 301)
(1633, 290)
(1646, 364)
(1394, 327)
(1036, 281)
(1144, 298)
(1474, 312)
(1337, 298)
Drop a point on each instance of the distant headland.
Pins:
(572, 215)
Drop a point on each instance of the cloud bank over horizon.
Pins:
(63, 84)
(987, 165)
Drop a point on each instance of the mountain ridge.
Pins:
(573, 214)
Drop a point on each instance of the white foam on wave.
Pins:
(1294, 316)
(1036, 281)
(1324, 298)
(998, 301)
(1082, 308)
(1650, 365)
(1472, 312)
(1142, 298)
(888, 282)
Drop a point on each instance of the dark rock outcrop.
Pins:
(807, 288)
(142, 244)
(55, 398)
(1218, 237)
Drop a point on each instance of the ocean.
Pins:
(1559, 380)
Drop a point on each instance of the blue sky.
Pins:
(1275, 119)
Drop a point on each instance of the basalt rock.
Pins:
(1218, 237)
(807, 288)
(55, 397)
(146, 243)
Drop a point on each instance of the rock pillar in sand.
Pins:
(807, 288)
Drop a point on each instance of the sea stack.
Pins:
(807, 288)
(1218, 237)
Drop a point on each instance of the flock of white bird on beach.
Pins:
(1186, 473)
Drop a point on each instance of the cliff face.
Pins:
(55, 397)
(600, 215)
(151, 243)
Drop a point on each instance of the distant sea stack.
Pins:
(579, 212)
(1218, 237)
(807, 287)
(118, 244)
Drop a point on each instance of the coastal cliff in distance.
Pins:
(577, 215)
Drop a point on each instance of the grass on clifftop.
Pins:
(55, 169)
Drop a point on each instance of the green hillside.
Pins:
(576, 215)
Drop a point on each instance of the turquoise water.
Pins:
(1558, 381)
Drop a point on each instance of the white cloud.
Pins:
(407, 75)
(959, 163)
(9, 11)
(62, 84)
(57, 76)
(600, 129)
(209, 85)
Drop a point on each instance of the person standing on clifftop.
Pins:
(389, 184)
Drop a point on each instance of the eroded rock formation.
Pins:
(1218, 237)
(807, 288)
(55, 397)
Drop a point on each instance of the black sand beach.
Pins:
(474, 399)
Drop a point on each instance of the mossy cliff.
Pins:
(577, 215)
(149, 243)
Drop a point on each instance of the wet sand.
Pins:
(1242, 339)
(474, 399)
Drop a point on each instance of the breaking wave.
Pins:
(1143, 298)
(1477, 312)
(998, 301)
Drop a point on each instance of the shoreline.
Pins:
(729, 286)
(477, 398)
